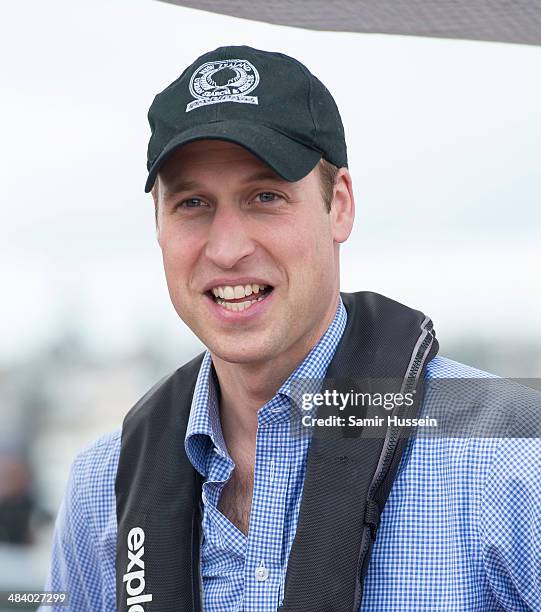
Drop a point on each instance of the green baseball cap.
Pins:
(267, 102)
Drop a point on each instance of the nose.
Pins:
(228, 240)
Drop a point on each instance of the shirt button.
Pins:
(261, 573)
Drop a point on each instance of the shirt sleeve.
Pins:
(78, 563)
(510, 524)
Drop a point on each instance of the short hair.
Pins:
(327, 180)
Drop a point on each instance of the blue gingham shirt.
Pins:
(240, 572)
(461, 530)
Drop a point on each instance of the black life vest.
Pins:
(347, 482)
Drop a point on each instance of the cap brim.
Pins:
(288, 158)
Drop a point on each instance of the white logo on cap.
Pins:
(223, 81)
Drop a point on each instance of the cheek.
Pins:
(179, 254)
(311, 246)
(305, 250)
(302, 232)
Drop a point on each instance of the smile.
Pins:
(239, 297)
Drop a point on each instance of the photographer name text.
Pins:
(353, 421)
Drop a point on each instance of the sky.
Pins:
(443, 139)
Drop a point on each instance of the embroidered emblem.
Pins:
(223, 81)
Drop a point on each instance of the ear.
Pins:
(343, 206)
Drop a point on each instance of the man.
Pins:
(213, 495)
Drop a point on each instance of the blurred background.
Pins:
(443, 139)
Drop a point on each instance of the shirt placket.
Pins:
(263, 564)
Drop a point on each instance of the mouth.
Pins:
(238, 298)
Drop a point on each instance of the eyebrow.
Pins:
(188, 185)
(181, 185)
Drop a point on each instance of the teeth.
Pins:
(229, 292)
(238, 306)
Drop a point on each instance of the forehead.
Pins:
(212, 156)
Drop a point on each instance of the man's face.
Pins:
(251, 260)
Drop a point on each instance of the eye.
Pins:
(267, 196)
(192, 203)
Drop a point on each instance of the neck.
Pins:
(246, 387)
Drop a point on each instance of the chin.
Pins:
(232, 352)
